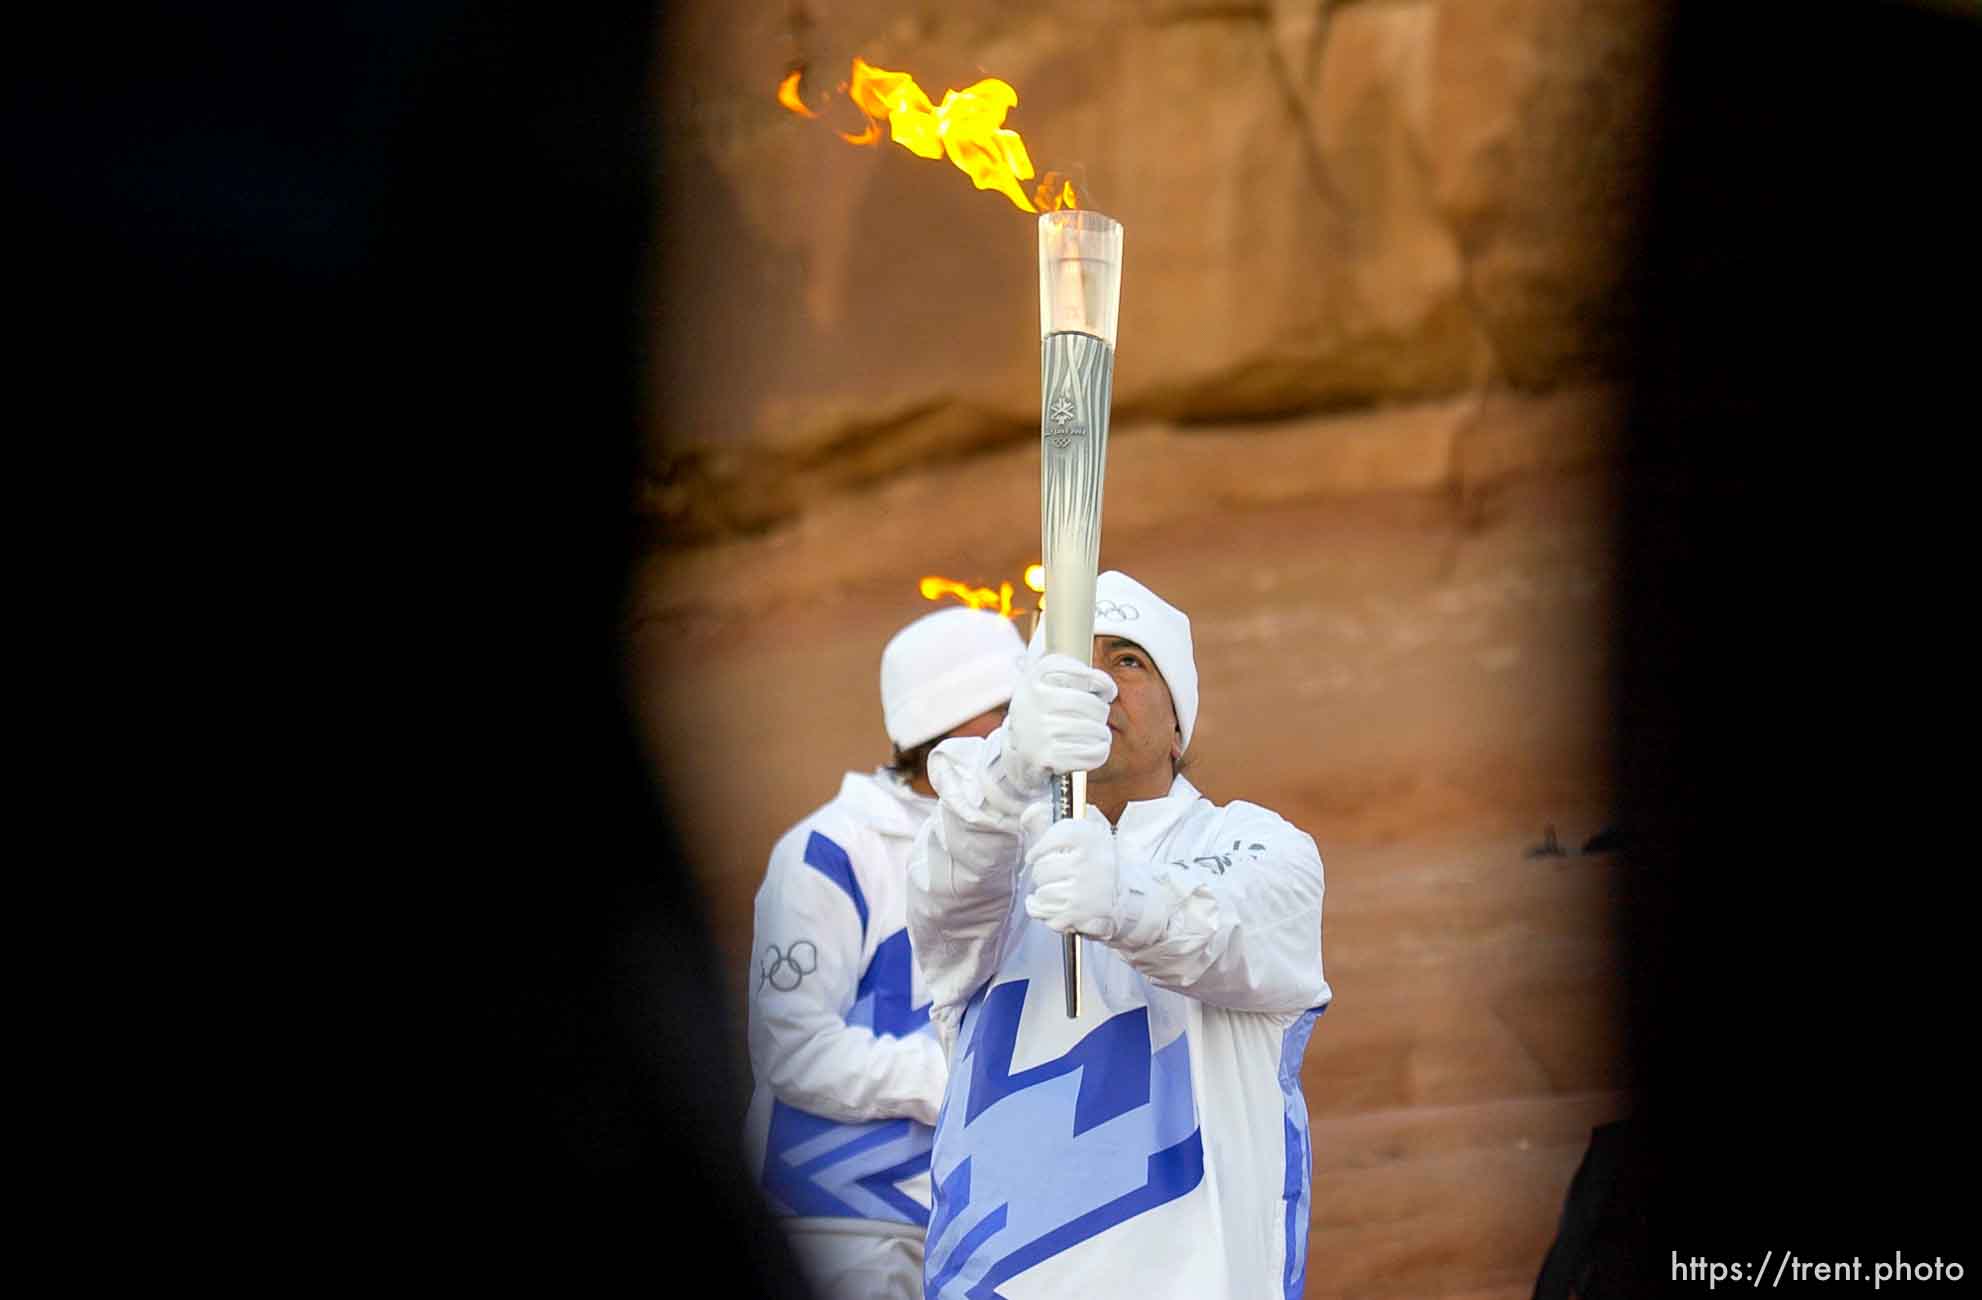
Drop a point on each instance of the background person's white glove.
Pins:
(1058, 720)
(1076, 876)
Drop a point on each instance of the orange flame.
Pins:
(934, 588)
(1035, 577)
(1052, 198)
(788, 96)
(968, 126)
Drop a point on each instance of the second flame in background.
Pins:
(936, 588)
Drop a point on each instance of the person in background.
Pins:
(848, 1072)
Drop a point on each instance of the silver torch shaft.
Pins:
(1080, 282)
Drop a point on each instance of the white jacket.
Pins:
(848, 1071)
(1158, 1145)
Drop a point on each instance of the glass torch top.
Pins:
(1080, 273)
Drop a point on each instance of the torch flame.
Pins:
(788, 96)
(1035, 577)
(1054, 193)
(968, 126)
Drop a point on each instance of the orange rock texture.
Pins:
(1328, 206)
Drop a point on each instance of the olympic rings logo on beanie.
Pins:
(1125, 607)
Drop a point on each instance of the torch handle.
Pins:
(1077, 374)
(1080, 293)
(1070, 801)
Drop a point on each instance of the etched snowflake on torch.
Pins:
(1061, 415)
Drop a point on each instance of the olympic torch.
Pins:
(1080, 291)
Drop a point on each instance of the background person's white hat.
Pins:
(1125, 608)
(944, 669)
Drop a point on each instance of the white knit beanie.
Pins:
(944, 669)
(1125, 608)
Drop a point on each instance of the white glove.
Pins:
(1076, 877)
(1058, 721)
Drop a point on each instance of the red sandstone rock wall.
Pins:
(1330, 206)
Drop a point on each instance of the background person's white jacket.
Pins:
(1158, 1144)
(848, 1072)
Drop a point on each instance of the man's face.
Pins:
(1142, 722)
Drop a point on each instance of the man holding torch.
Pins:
(1155, 1143)
(848, 1071)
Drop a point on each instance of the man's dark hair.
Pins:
(913, 764)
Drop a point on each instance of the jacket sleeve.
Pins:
(963, 907)
(808, 957)
(1238, 925)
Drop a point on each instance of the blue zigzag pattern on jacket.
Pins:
(1053, 1155)
(1172, 1172)
(1104, 1092)
(819, 1168)
(831, 861)
(955, 1193)
(883, 1000)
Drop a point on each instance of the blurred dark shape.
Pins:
(360, 298)
(1600, 1245)
(1608, 840)
(1803, 373)
(1548, 848)
(598, 1113)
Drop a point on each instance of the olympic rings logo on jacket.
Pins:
(785, 971)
